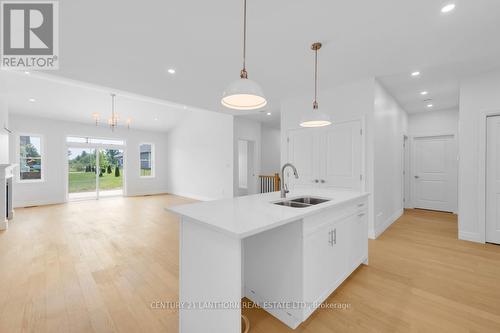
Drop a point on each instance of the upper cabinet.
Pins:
(327, 157)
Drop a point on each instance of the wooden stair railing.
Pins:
(269, 183)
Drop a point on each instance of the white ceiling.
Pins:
(129, 45)
(57, 98)
(442, 83)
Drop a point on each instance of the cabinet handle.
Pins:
(316, 181)
(361, 205)
(361, 215)
(323, 181)
(335, 236)
(330, 235)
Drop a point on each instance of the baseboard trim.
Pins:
(193, 196)
(379, 230)
(24, 204)
(144, 193)
(470, 236)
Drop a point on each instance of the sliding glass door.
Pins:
(82, 173)
(95, 167)
(110, 180)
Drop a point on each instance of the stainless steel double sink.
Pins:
(301, 202)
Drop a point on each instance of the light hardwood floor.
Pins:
(97, 267)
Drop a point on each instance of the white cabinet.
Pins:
(324, 261)
(334, 246)
(330, 157)
(303, 153)
(357, 240)
(305, 261)
(321, 262)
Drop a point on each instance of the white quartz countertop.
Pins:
(245, 216)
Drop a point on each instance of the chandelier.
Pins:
(114, 119)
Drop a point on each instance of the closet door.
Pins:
(341, 149)
(493, 181)
(303, 153)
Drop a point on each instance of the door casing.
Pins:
(97, 147)
(413, 138)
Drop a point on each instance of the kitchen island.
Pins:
(287, 257)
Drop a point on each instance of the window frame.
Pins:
(42, 158)
(96, 141)
(153, 160)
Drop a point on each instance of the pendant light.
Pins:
(244, 94)
(315, 118)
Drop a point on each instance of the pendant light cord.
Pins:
(315, 103)
(243, 74)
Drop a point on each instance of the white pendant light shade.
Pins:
(315, 119)
(243, 94)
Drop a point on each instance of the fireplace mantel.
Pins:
(6, 184)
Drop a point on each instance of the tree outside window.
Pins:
(30, 158)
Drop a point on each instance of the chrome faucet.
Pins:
(284, 188)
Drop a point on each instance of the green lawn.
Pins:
(85, 181)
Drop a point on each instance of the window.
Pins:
(101, 141)
(146, 152)
(30, 158)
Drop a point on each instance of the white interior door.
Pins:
(435, 173)
(341, 146)
(493, 180)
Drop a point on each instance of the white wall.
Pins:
(391, 123)
(200, 156)
(4, 135)
(352, 100)
(248, 130)
(271, 150)
(479, 96)
(54, 160)
(433, 122)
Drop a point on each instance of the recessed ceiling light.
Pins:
(269, 113)
(430, 105)
(448, 8)
(32, 100)
(27, 73)
(423, 93)
(417, 73)
(171, 71)
(156, 119)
